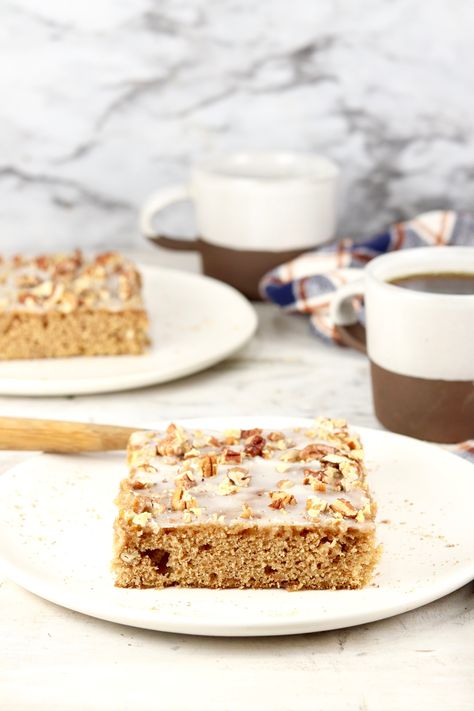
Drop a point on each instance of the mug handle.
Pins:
(344, 316)
(157, 202)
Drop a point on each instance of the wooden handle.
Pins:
(56, 436)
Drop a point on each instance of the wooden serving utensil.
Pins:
(20, 433)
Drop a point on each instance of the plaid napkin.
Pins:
(305, 284)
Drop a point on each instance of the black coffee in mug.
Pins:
(438, 282)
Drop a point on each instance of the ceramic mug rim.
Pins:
(402, 257)
(220, 167)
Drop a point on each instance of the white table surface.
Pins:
(52, 658)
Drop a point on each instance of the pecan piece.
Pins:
(276, 436)
(245, 434)
(208, 465)
(316, 451)
(335, 459)
(281, 499)
(230, 456)
(239, 476)
(43, 262)
(315, 479)
(254, 446)
(185, 479)
(310, 474)
(315, 506)
(344, 507)
(291, 455)
(182, 500)
(231, 436)
(174, 443)
(247, 511)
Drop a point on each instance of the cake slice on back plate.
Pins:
(66, 304)
(246, 509)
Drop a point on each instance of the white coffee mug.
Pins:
(420, 344)
(253, 211)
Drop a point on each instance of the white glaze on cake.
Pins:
(261, 480)
(68, 282)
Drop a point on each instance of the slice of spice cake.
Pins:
(66, 304)
(246, 509)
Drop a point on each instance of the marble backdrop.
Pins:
(101, 102)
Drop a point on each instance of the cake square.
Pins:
(61, 305)
(246, 509)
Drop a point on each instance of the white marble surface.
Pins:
(103, 102)
(55, 659)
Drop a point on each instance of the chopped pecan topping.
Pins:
(174, 443)
(146, 467)
(235, 479)
(350, 473)
(148, 504)
(334, 458)
(344, 507)
(42, 261)
(315, 506)
(43, 289)
(141, 519)
(275, 436)
(332, 476)
(27, 299)
(310, 474)
(208, 464)
(254, 446)
(282, 444)
(231, 436)
(182, 499)
(239, 476)
(67, 301)
(281, 499)
(315, 479)
(315, 451)
(193, 452)
(26, 281)
(227, 487)
(245, 434)
(247, 511)
(354, 444)
(190, 513)
(365, 512)
(230, 456)
(141, 504)
(185, 479)
(65, 282)
(292, 455)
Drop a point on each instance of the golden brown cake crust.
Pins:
(246, 508)
(56, 335)
(65, 305)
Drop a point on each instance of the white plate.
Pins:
(56, 516)
(195, 322)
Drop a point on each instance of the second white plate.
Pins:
(56, 516)
(195, 322)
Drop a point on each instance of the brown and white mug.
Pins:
(420, 345)
(254, 211)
